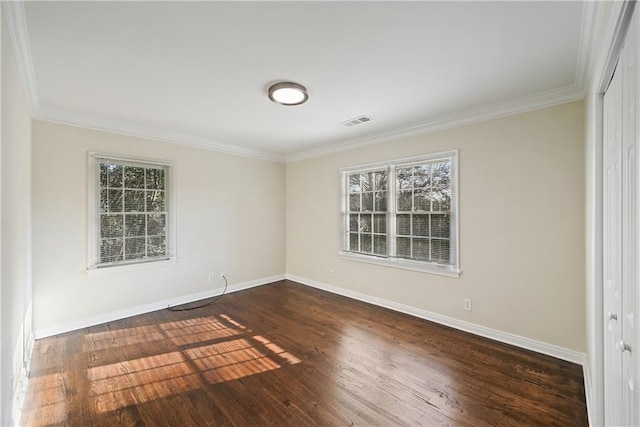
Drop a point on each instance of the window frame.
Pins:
(450, 270)
(93, 209)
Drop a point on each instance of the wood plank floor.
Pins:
(286, 354)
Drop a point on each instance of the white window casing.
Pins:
(422, 218)
(136, 207)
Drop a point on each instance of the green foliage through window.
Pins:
(133, 212)
(402, 210)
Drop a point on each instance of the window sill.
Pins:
(402, 264)
(130, 267)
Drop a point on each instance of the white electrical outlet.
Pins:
(223, 274)
(212, 277)
(466, 304)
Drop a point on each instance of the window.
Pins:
(403, 213)
(368, 212)
(131, 216)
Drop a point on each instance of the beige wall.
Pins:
(15, 155)
(521, 226)
(230, 218)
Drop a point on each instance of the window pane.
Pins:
(111, 250)
(155, 201)
(111, 225)
(134, 225)
(403, 224)
(353, 242)
(441, 199)
(367, 245)
(380, 245)
(134, 248)
(381, 201)
(366, 180)
(403, 247)
(367, 202)
(103, 174)
(353, 222)
(155, 179)
(354, 202)
(365, 223)
(422, 176)
(404, 178)
(445, 201)
(115, 200)
(440, 251)
(156, 224)
(133, 177)
(421, 249)
(380, 180)
(420, 225)
(114, 175)
(440, 225)
(404, 201)
(441, 174)
(104, 201)
(420, 201)
(156, 246)
(134, 200)
(380, 223)
(354, 183)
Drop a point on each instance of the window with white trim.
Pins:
(403, 213)
(131, 217)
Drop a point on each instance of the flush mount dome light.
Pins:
(288, 93)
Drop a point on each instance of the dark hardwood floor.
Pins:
(287, 354)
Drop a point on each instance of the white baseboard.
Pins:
(516, 340)
(23, 351)
(146, 308)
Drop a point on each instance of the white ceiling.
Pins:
(198, 72)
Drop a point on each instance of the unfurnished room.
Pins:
(330, 213)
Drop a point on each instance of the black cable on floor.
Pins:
(202, 305)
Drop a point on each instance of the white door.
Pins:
(621, 228)
(630, 193)
(612, 236)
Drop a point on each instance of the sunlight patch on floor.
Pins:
(197, 330)
(234, 353)
(121, 337)
(50, 390)
(230, 360)
(141, 380)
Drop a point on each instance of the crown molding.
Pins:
(548, 98)
(15, 17)
(17, 25)
(14, 13)
(88, 121)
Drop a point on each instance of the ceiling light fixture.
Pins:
(288, 93)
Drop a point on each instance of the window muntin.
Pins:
(132, 219)
(415, 223)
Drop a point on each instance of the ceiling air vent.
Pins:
(356, 121)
